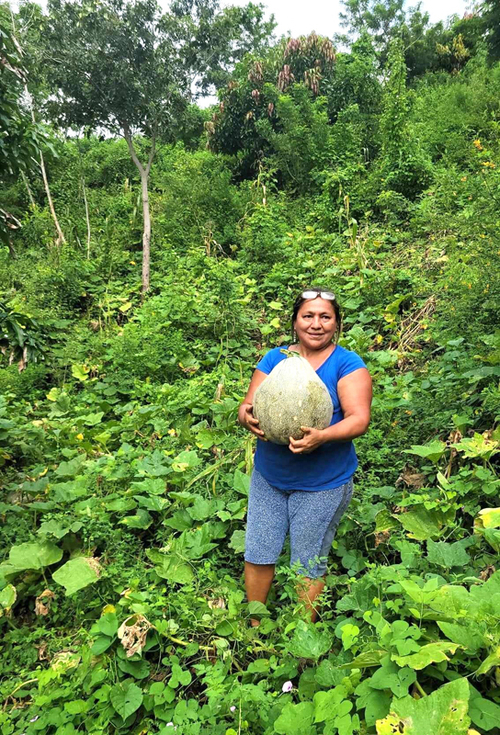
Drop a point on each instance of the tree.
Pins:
(21, 137)
(491, 24)
(249, 114)
(387, 20)
(128, 68)
(382, 19)
(403, 165)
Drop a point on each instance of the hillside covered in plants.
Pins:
(150, 254)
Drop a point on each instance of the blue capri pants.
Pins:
(311, 517)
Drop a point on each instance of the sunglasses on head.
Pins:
(328, 295)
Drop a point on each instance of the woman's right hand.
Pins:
(248, 420)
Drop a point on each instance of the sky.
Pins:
(300, 17)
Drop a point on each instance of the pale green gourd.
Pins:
(290, 397)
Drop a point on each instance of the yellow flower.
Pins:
(172, 432)
(79, 437)
(478, 145)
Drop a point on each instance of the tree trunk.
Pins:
(28, 189)
(60, 235)
(144, 174)
(146, 235)
(87, 217)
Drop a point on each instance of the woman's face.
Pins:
(316, 323)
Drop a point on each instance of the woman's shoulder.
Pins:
(347, 361)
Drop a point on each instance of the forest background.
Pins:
(151, 251)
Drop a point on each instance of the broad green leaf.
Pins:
(420, 523)
(108, 624)
(154, 503)
(185, 461)
(309, 641)
(201, 509)
(194, 544)
(91, 419)
(367, 659)
(421, 595)
(118, 505)
(77, 706)
(483, 712)
(101, 644)
(492, 660)
(448, 555)
(142, 520)
(444, 712)
(478, 446)
(224, 628)
(492, 536)
(295, 719)
(431, 653)
(126, 698)
(467, 636)
(154, 465)
(8, 597)
(433, 451)
(35, 555)
(58, 528)
(149, 486)
(237, 542)
(385, 521)
(71, 468)
(180, 520)
(179, 676)
(390, 676)
(80, 372)
(77, 574)
(453, 601)
(488, 518)
(170, 567)
(257, 608)
(375, 702)
(326, 703)
(138, 669)
(241, 482)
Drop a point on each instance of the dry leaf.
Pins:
(487, 572)
(42, 602)
(133, 634)
(411, 479)
(381, 537)
(94, 564)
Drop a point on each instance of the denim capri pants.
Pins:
(311, 517)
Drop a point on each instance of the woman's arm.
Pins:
(355, 396)
(245, 412)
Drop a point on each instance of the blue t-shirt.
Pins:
(331, 464)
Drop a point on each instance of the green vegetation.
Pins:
(124, 473)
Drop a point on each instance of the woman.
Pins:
(305, 487)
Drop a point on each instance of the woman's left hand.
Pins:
(312, 439)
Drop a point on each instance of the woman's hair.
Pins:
(301, 300)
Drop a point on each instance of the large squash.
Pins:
(290, 397)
